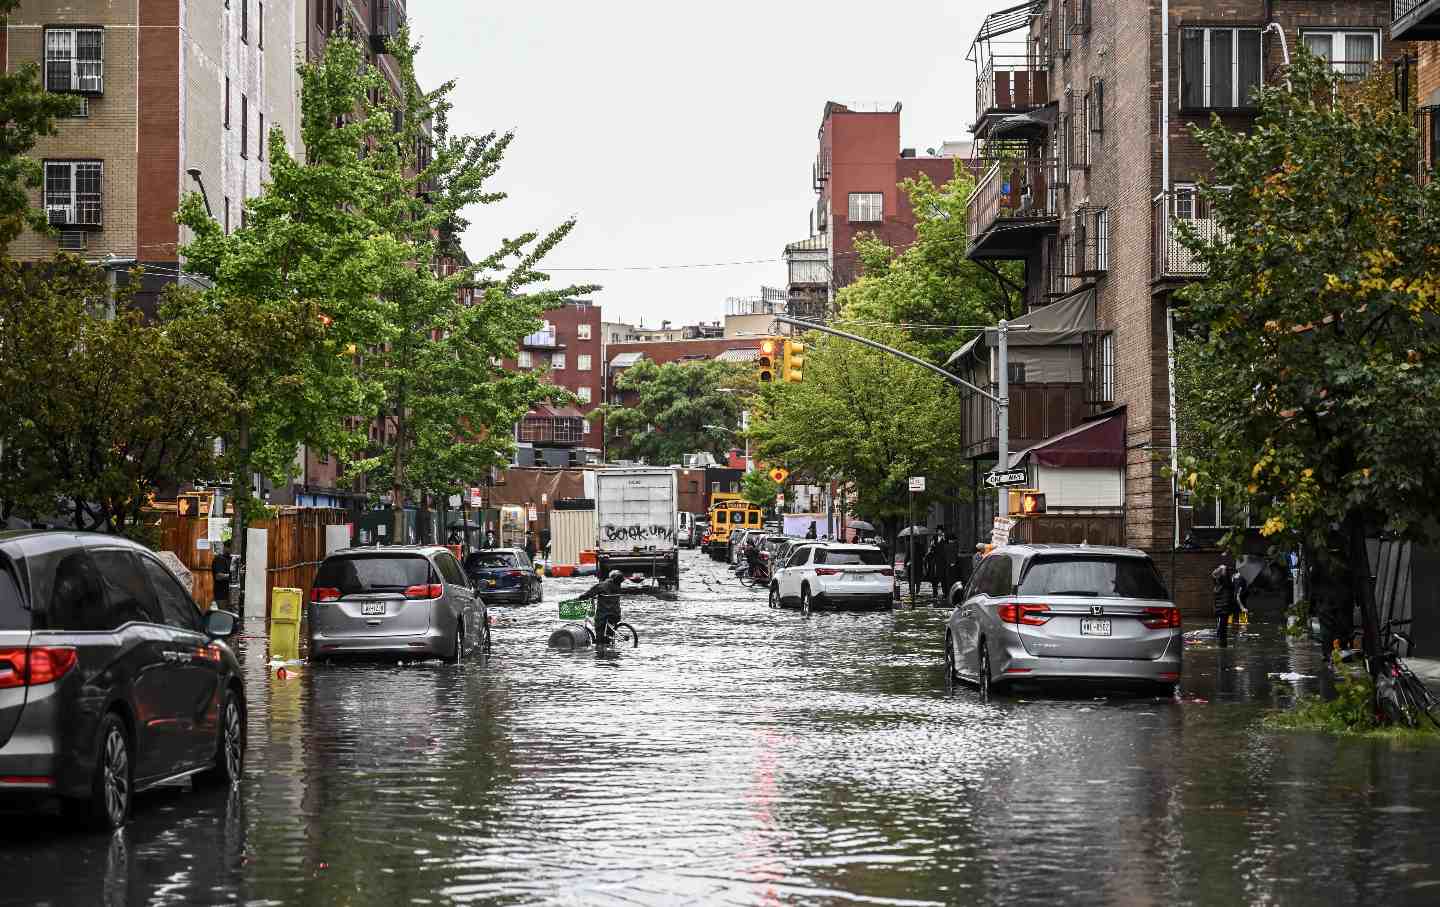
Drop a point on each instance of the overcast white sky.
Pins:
(681, 133)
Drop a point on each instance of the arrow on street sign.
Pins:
(1006, 478)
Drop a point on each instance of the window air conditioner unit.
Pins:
(73, 241)
(59, 215)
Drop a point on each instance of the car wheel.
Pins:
(774, 595)
(805, 605)
(112, 788)
(950, 672)
(985, 688)
(539, 593)
(459, 645)
(229, 744)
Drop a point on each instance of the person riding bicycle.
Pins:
(753, 562)
(607, 604)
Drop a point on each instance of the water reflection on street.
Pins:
(744, 755)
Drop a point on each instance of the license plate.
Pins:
(369, 608)
(1095, 626)
(490, 583)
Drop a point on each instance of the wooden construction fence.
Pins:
(295, 543)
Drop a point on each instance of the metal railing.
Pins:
(1402, 8)
(1009, 84)
(1170, 258)
(554, 430)
(543, 339)
(1016, 189)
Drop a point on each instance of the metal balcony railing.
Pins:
(1009, 84)
(541, 339)
(1170, 259)
(542, 429)
(1018, 190)
(1414, 19)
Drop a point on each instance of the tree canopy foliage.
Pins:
(667, 411)
(1307, 362)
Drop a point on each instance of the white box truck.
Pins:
(635, 523)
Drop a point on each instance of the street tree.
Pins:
(1307, 365)
(99, 413)
(27, 111)
(865, 417)
(759, 489)
(667, 411)
(931, 283)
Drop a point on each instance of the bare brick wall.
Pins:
(1428, 71)
(157, 186)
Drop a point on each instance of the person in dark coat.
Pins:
(530, 548)
(1229, 594)
(220, 575)
(935, 561)
(607, 605)
(545, 543)
(811, 532)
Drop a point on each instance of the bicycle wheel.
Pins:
(1416, 696)
(1389, 707)
(625, 636)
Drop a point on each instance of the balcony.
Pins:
(542, 340)
(1008, 85)
(1015, 205)
(1170, 259)
(552, 425)
(387, 17)
(1415, 20)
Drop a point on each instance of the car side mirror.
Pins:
(220, 624)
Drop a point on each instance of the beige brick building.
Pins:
(1074, 183)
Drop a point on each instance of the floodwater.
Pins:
(742, 755)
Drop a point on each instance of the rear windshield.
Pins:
(1123, 577)
(865, 556)
(490, 561)
(13, 614)
(373, 573)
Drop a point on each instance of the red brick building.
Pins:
(621, 356)
(568, 350)
(857, 173)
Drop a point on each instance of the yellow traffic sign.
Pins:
(778, 475)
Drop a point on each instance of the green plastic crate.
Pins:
(574, 609)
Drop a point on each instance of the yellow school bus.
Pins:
(727, 513)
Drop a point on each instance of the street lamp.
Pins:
(194, 173)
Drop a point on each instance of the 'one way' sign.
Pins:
(1006, 478)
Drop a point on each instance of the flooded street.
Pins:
(744, 755)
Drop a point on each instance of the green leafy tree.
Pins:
(759, 489)
(678, 408)
(98, 413)
(1307, 370)
(868, 418)
(931, 282)
(27, 111)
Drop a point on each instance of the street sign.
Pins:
(1005, 478)
(917, 483)
(778, 475)
(1000, 532)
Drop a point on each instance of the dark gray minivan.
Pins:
(111, 678)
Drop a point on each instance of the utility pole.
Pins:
(1002, 411)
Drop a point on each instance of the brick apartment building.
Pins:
(1068, 141)
(623, 355)
(568, 348)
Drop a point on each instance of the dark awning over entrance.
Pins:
(1100, 443)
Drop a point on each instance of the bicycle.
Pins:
(1400, 696)
(759, 575)
(578, 614)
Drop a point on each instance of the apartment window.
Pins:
(1095, 106)
(1016, 371)
(72, 193)
(1102, 239)
(582, 332)
(866, 207)
(557, 360)
(524, 360)
(244, 125)
(1220, 68)
(227, 214)
(1349, 52)
(260, 25)
(583, 393)
(582, 362)
(1097, 350)
(244, 21)
(260, 145)
(227, 102)
(75, 60)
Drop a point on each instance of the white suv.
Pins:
(832, 575)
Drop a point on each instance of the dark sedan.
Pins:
(504, 576)
(112, 680)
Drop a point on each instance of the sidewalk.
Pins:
(1427, 669)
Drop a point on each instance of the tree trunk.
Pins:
(1361, 587)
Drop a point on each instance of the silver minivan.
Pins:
(1064, 612)
(401, 600)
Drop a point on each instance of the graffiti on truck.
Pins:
(637, 532)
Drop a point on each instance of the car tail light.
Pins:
(324, 594)
(35, 666)
(1030, 615)
(28, 780)
(827, 571)
(431, 590)
(888, 571)
(1161, 618)
(515, 573)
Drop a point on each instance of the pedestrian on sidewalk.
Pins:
(220, 575)
(1229, 594)
(810, 533)
(530, 548)
(935, 561)
(545, 543)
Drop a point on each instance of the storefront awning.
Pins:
(1056, 324)
(1097, 444)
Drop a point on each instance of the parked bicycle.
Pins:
(758, 575)
(1400, 696)
(580, 614)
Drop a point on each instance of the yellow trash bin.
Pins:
(285, 624)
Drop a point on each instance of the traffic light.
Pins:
(794, 368)
(1026, 502)
(766, 362)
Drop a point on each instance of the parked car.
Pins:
(833, 575)
(1064, 612)
(504, 575)
(400, 600)
(112, 680)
